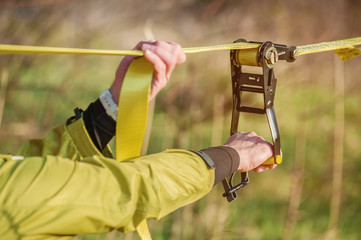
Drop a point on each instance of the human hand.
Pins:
(253, 150)
(164, 56)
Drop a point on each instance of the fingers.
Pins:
(262, 168)
(159, 65)
(251, 134)
(164, 56)
(252, 149)
(169, 54)
(160, 77)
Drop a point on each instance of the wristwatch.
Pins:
(108, 103)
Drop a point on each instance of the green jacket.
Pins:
(64, 186)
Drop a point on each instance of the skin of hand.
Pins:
(253, 150)
(164, 56)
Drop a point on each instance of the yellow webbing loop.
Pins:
(132, 117)
(133, 109)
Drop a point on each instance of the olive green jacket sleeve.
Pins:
(70, 141)
(65, 186)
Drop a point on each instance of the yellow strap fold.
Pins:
(348, 53)
(133, 109)
(132, 117)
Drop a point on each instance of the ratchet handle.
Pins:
(273, 160)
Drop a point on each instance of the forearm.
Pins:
(163, 182)
(76, 141)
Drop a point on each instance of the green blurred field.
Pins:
(39, 92)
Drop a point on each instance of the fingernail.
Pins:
(147, 52)
(144, 47)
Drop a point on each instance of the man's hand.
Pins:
(253, 150)
(164, 56)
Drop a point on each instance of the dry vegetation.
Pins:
(319, 118)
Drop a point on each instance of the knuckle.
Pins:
(161, 68)
(139, 45)
(173, 60)
(261, 139)
(176, 46)
(155, 82)
(252, 134)
(184, 57)
(179, 50)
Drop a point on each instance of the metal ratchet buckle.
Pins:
(268, 54)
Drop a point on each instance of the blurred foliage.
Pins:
(193, 112)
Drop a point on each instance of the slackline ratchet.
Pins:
(134, 97)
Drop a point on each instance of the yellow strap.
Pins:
(21, 49)
(132, 117)
(348, 53)
(329, 46)
(133, 109)
(143, 230)
(348, 44)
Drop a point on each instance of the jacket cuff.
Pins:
(100, 126)
(225, 159)
(82, 141)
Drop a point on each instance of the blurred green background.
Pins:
(314, 194)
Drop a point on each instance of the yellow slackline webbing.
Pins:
(132, 117)
(330, 46)
(133, 101)
(344, 48)
(133, 109)
(21, 49)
